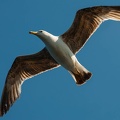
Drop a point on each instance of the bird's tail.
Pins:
(80, 74)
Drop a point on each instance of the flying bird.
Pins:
(59, 51)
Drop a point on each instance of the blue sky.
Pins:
(54, 95)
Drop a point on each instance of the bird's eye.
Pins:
(41, 31)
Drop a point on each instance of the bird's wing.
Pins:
(24, 67)
(86, 22)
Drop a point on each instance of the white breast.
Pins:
(61, 53)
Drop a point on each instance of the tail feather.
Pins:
(80, 73)
(81, 78)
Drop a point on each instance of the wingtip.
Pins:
(1, 112)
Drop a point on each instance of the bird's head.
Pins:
(41, 34)
(45, 36)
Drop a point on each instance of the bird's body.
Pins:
(59, 50)
(64, 56)
(61, 53)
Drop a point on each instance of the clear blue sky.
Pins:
(54, 95)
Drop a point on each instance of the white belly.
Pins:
(62, 54)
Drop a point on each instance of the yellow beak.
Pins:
(33, 32)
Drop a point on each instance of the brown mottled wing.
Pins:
(23, 68)
(86, 22)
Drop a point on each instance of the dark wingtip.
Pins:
(1, 112)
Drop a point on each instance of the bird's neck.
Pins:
(49, 39)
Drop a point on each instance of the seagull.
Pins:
(59, 51)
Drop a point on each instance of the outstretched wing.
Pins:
(86, 22)
(24, 67)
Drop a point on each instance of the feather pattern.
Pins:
(24, 67)
(85, 24)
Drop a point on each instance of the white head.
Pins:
(43, 35)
